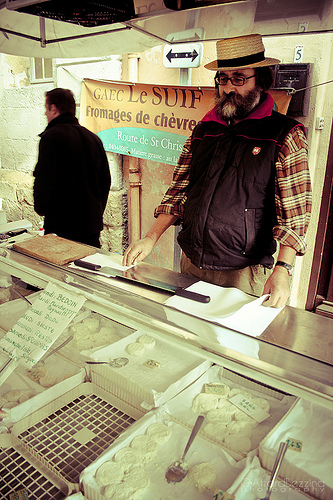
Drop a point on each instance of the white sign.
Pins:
(298, 57)
(184, 55)
(33, 334)
(192, 35)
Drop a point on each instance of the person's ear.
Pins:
(54, 110)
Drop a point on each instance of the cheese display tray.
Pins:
(90, 331)
(252, 484)
(217, 377)
(21, 478)
(69, 433)
(23, 392)
(150, 378)
(201, 451)
(308, 462)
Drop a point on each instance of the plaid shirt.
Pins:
(292, 190)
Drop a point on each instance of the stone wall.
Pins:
(22, 108)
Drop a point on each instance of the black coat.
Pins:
(72, 179)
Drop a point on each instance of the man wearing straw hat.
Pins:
(241, 186)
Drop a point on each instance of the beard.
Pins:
(234, 106)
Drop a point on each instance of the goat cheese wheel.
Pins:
(25, 396)
(48, 380)
(147, 341)
(91, 323)
(262, 403)
(145, 445)
(238, 442)
(241, 416)
(111, 490)
(84, 343)
(137, 478)
(203, 476)
(204, 402)
(219, 415)
(238, 427)
(128, 457)
(109, 473)
(122, 492)
(13, 396)
(216, 430)
(9, 404)
(159, 432)
(135, 349)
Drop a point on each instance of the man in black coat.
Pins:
(72, 175)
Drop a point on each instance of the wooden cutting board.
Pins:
(54, 249)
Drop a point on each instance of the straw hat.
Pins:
(240, 52)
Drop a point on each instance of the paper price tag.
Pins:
(151, 363)
(248, 407)
(223, 495)
(294, 444)
(19, 495)
(217, 389)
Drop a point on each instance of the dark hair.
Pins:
(63, 99)
(264, 77)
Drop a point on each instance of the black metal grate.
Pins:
(53, 439)
(17, 474)
(83, 12)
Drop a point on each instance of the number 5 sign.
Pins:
(298, 57)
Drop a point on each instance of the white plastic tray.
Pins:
(311, 469)
(180, 406)
(201, 451)
(141, 386)
(69, 433)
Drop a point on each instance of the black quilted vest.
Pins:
(230, 210)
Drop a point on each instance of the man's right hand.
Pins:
(137, 251)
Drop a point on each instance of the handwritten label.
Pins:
(19, 495)
(34, 333)
(223, 495)
(218, 389)
(151, 363)
(248, 407)
(294, 444)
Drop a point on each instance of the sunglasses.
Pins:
(237, 81)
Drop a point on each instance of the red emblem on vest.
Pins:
(256, 150)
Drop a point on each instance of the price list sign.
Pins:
(34, 333)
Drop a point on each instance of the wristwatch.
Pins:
(289, 267)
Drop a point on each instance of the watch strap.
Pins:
(289, 267)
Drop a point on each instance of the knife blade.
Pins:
(115, 273)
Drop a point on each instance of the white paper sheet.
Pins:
(229, 307)
(113, 260)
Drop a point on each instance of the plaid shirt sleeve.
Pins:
(293, 191)
(175, 197)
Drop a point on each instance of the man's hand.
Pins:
(137, 251)
(277, 286)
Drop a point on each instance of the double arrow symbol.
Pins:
(181, 55)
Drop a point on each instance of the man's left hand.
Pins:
(277, 286)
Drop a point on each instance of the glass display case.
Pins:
(289, 365)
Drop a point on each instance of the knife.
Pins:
(115, 273)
